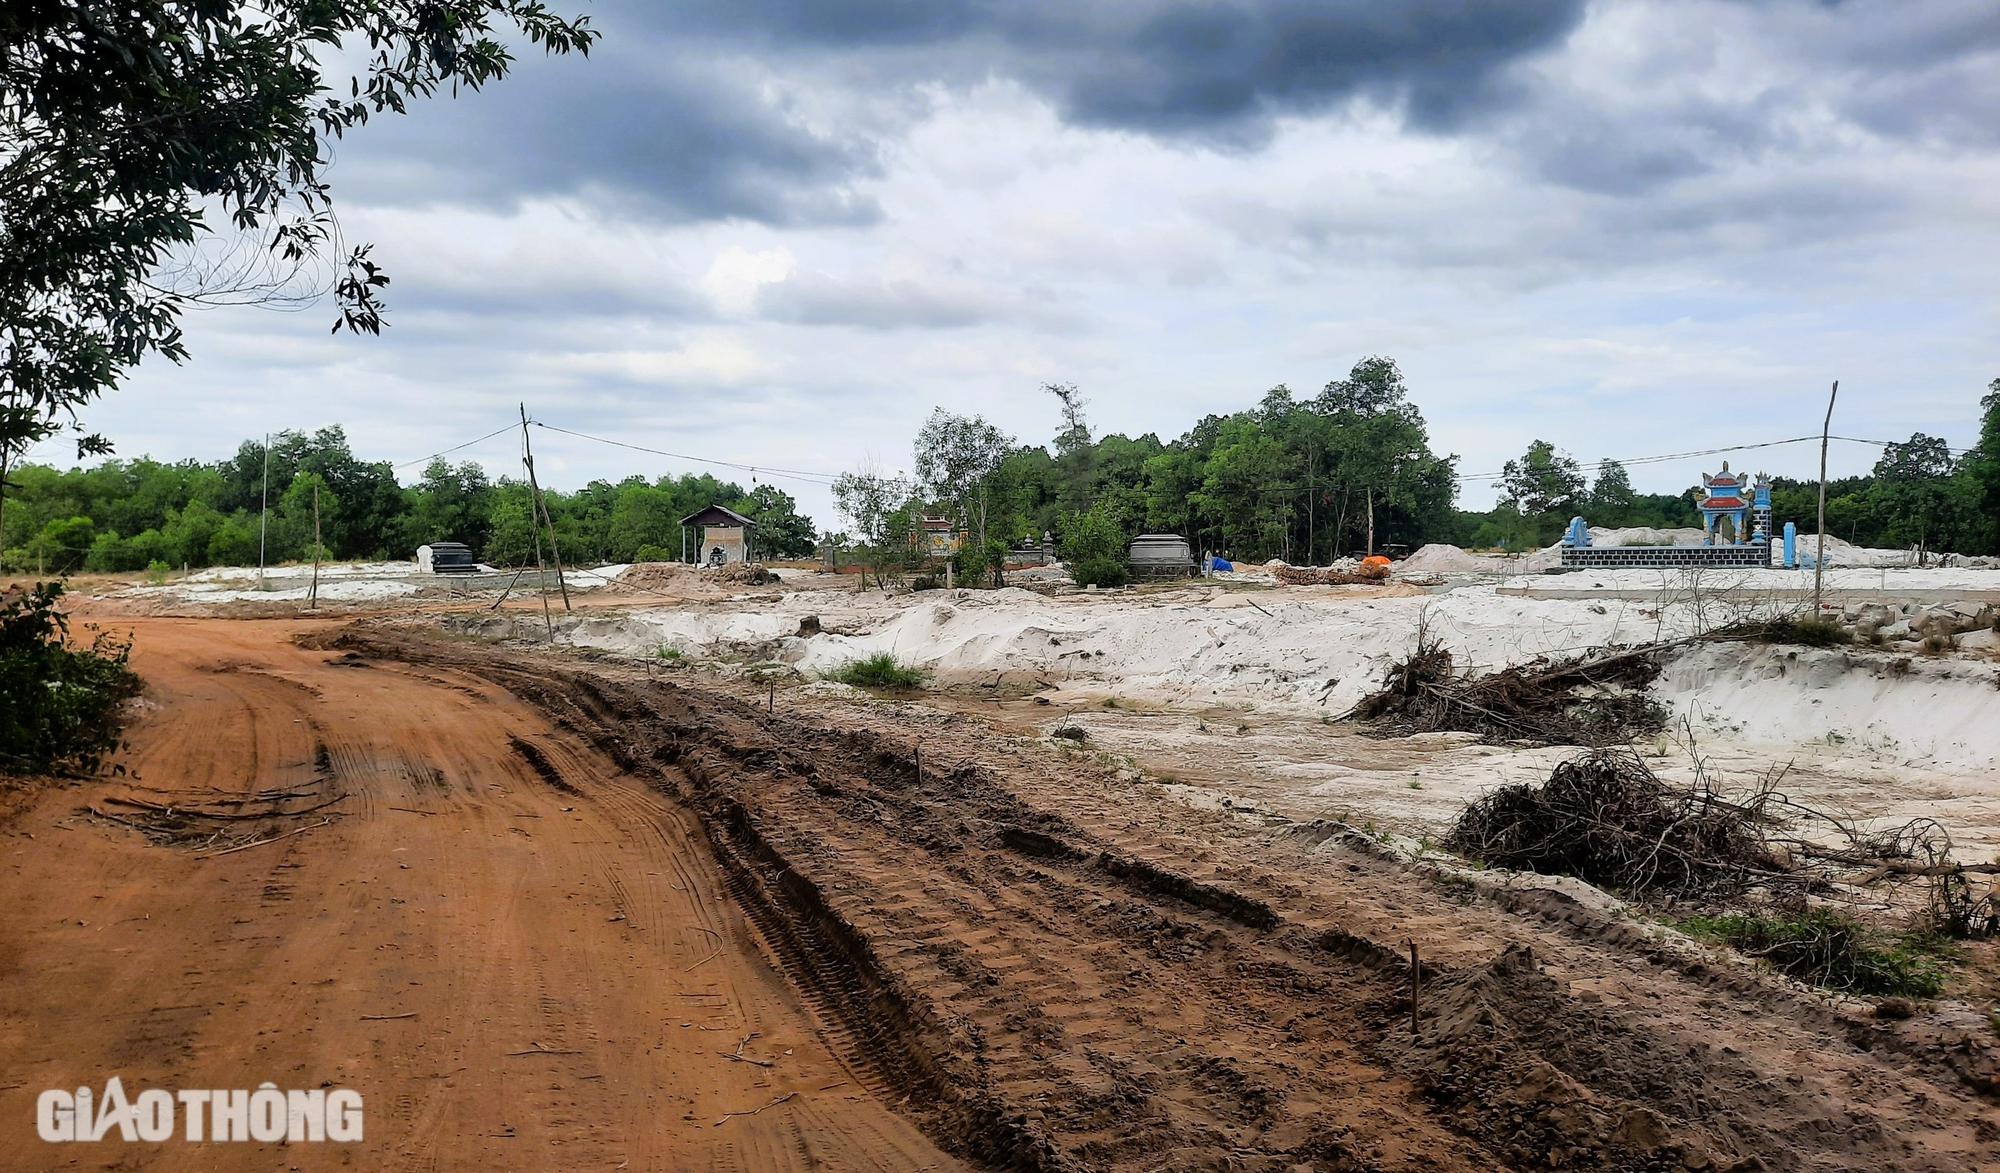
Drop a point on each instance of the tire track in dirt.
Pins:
(540, 939)
(1069, 985)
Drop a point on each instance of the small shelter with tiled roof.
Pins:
(721, 535)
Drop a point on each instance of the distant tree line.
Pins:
(1343, 472)
(1303, 479)
(131, 514)
(1918, 496)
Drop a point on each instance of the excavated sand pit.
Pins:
(739, 920)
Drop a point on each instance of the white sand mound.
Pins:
(1324, 652)
(1446, 559)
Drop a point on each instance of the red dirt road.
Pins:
(522, 958)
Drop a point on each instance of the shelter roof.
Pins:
(716, 515)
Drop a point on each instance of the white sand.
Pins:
(1320, 650)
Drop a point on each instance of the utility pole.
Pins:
(535, 528)
(1819, 555)
(312, 598)
(528, 455)
(264, 513)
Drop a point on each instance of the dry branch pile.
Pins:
(1606, 818)
(1309, 576)
(1597, 698)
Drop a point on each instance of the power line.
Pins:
(1642, 460)
(449, 451)
(817, 478)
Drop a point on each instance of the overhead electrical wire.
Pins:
(1640, 460)
(822, 478)
(817, 478)
(456, 448)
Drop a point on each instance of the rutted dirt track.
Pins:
(1024, 960)
(1064, 972)
(496, 881)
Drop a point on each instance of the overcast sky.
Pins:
(779, 232)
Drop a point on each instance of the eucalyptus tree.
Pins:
(956, 458)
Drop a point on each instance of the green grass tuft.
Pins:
(1830, 950)
(880, 671)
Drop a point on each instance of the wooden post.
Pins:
(1416, 984)
(313, 596)
(1371, 521)
(264, 511)
(1819, 555)
(529, 456)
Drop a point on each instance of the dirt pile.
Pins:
(1446, 559)
(657, 576)
(681, 577)
(747, 573)
(1505, 1055)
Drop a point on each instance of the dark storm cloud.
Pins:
(682, 113)
(1211, 69)
(670, 118)
(644, 134)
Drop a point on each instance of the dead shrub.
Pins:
(1606, 818)
(1597, 698)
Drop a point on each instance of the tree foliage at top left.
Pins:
(131, 129)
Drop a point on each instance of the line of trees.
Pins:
(133, 514)
(1305, 479)
(1347, 471)
(1918, 496)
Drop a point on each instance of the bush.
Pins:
(59, 704)
(1094, 547)
(1830, 950)
(880, 671)
(1802, 630)
(977, 565)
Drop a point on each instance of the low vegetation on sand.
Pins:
(59, 703)
(1800, 630)
(880, 671)
(1831, 950)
